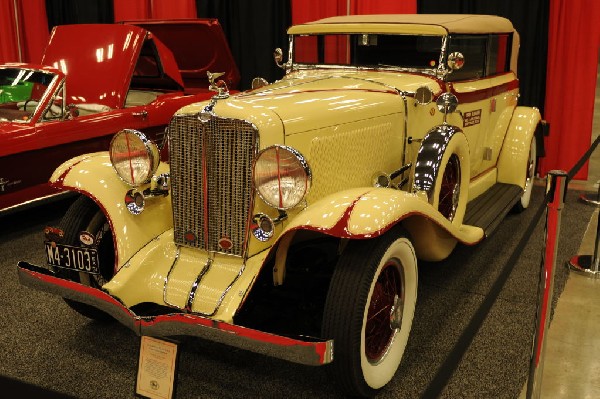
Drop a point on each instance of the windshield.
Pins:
(368, 50)
(21, 90)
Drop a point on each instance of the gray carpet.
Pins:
(46, 344)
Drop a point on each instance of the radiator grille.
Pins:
(211, 181)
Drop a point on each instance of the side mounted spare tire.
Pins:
(442, 171)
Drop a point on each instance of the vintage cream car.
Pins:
(290, 217)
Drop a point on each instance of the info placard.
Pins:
(156, 369)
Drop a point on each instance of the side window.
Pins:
(499, 54)
(473, 47)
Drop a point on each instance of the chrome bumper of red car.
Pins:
(315, 353)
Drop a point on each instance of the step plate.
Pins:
(487, 210)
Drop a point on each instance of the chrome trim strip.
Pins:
(220, 301)
(37, 202)
(207, 265)
(167, 279)
(303, 350)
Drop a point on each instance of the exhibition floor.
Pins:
(572, 364)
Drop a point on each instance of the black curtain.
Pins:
(63, 12)
(530, 19)
(253, 29)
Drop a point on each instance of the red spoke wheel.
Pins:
(531, 166)
(369, 310)
(450, 188)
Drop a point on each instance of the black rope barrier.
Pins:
(582, 160)
(451, 363)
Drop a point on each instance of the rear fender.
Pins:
(514, 155)
(364, 213)
(93, 175)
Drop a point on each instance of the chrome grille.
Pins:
(211, 181)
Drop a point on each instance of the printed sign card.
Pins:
(157, 369)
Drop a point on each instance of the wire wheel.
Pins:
(531, 166)
(369, 310)
(384, 315)
(450, 188)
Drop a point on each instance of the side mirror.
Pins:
(278, 56)
(456, 60)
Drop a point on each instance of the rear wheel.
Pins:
(85, 216)
(369, 310)
(523, 203)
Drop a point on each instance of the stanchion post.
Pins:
(555, 188)
(586, 264)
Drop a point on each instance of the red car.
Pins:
(94, 80)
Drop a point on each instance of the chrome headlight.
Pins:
(133, 156)
(281, 176)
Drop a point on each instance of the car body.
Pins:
(290, 218)
(94, 79)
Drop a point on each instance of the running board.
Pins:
(488, 210)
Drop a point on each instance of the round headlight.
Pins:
(133, 156)
(281, 176)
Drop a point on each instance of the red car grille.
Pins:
(211, 181)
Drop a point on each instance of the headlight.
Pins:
(133, 156)
(281, 176)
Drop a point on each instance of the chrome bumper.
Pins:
(315, 353)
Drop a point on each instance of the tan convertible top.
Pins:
(407, 23)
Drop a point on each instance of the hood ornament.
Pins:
(222, 92)
(219, 85)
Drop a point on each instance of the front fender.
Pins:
(512, 163)
(363, 213)
(93, 175)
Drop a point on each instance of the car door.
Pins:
(487, 91)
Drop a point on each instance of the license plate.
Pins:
(74, 258)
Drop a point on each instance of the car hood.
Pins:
(99, 60)
(305, 101)
(199, 45)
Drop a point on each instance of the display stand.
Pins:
(589, 265)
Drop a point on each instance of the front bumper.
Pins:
(312, 352)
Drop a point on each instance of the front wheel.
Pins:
(85, 216)
(369, 311)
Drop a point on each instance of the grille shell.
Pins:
(211, 160)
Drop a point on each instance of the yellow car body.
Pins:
(377, 140)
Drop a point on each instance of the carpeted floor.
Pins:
(465, 342)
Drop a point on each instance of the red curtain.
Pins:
(573, 42)
(23, 39)
(153, 9)
(310, 10)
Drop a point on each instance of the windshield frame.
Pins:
(45, 91)
(439, 70)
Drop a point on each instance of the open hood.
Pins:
(100, 59)
(199, 45)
